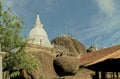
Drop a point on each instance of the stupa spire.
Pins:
(38, 22)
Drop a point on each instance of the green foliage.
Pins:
(14, 44)
(14, 74)
(10, 27)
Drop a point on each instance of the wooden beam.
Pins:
(117, 75)
(103, 75)
(96, 74)
(113, 75)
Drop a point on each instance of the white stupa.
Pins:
(38, 35)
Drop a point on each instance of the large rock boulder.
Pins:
(65, 66)
(45, 68)
(73, 46)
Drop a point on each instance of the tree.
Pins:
(14, 44)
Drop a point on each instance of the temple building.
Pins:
(105, 62)
(38, 35)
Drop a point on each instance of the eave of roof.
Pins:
(100, 55)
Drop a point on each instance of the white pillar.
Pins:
(1, 54)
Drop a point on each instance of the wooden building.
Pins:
(105, 62)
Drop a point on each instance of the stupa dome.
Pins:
(38, 35)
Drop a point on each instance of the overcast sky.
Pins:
(90, 21)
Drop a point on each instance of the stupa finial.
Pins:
(38, 22)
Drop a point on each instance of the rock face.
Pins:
(61, 66)
(45, 69)
(65, 66)
(68, 65)
(72, 46)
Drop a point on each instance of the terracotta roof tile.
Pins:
(100, 55)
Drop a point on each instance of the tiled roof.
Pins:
(100, 55)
